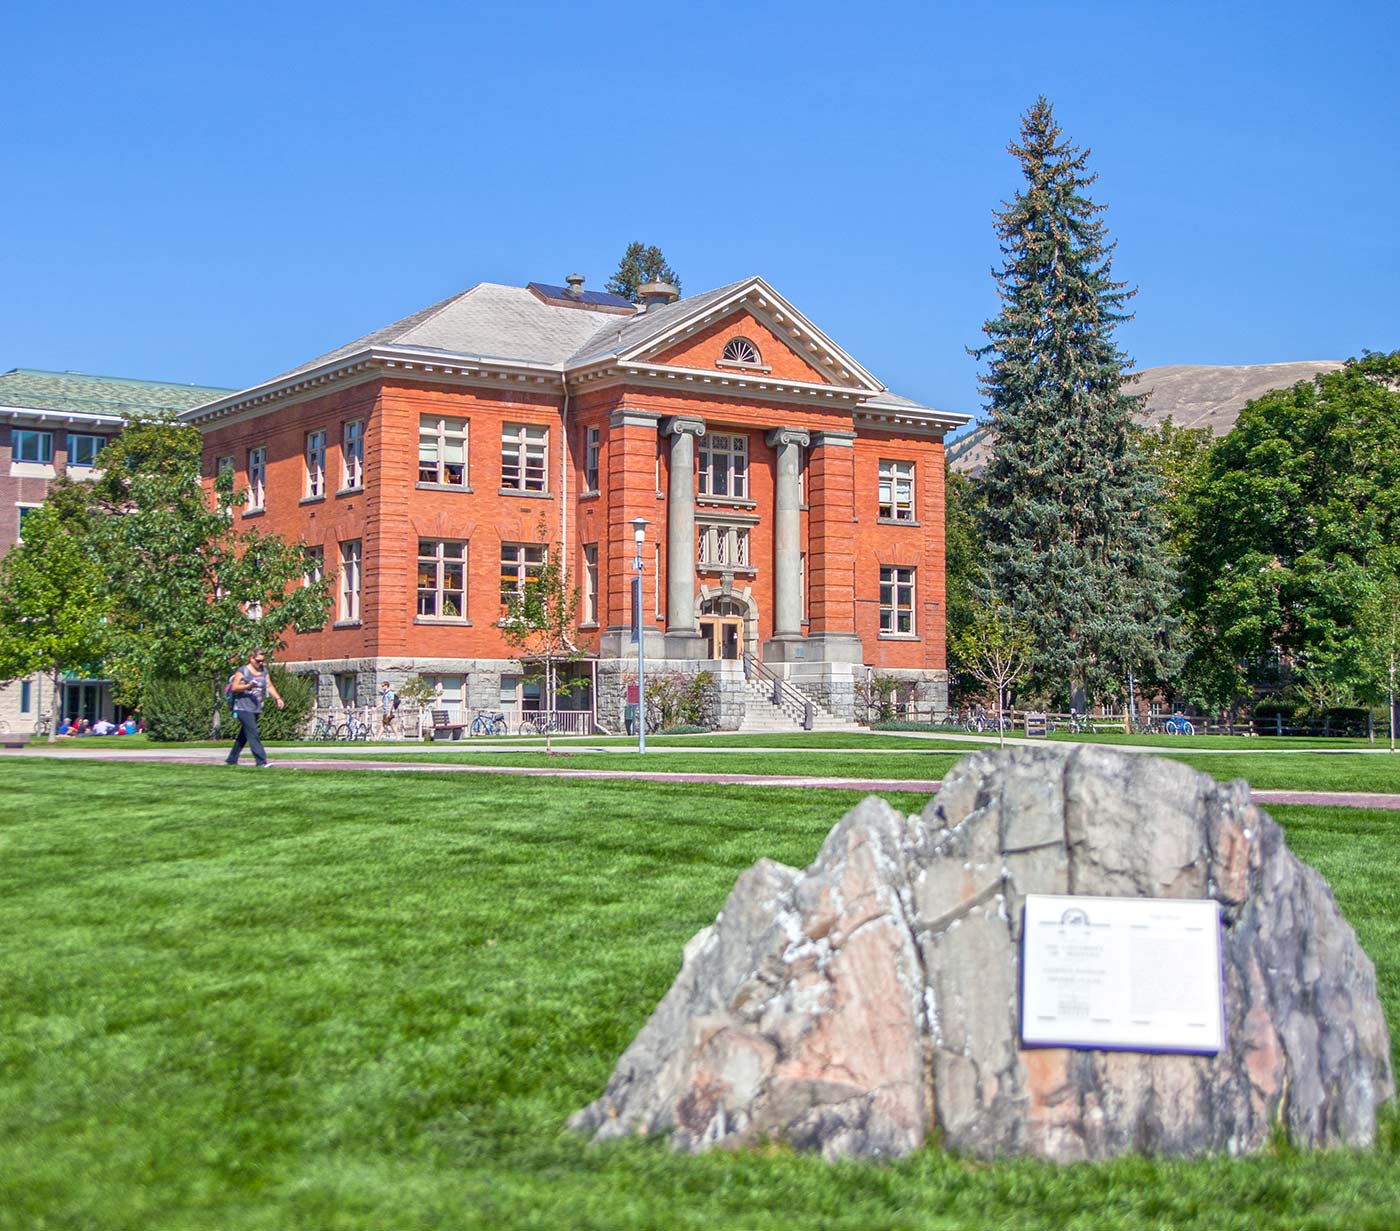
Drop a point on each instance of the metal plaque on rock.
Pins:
(1136, 974)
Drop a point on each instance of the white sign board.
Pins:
(1139, 974)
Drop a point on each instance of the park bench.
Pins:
(449, 730)
(15, 739)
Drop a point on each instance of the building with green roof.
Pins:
(54, 423)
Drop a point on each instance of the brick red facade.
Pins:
(844, 542)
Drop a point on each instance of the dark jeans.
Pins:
(247, 734)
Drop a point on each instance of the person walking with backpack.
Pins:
(389, 701)
(246, 689)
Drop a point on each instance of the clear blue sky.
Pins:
(215, 193)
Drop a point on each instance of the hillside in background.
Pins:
(1191, 395)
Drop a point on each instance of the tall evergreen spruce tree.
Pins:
(1073, 519)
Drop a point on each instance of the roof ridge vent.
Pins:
(575, 282)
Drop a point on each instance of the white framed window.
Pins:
(257, 478)
(896, 490)
(724, 466)
(442, 451)
(24, 511)
(26, 696)
(253, 610)
(591, 442)
(524, 457)
(31, 446)
(741, 350)
(723, 546)
(656, 582)
(520, 563)
(83, 448)
(350, 580)
(442, 579)
(897, 601)
(802, 585)
(223, 465)
(352, 455)
(347, 689)
(315, 465)
(313, 565)
(590, 583)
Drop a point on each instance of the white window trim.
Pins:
(590, 583)
(351, 580)
(726, 449)
(436, 427)
(439, 559)
(518, 439)
(898, 474)
(41, 435)
(352, 455)
(522, 566)
(896, 586)
(592, 459)
(92, 465)
(257, 488)
(315, 465)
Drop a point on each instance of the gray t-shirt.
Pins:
(250, 702)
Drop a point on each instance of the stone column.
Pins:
(680, 527)
(787, 532)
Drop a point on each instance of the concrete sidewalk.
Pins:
(214, 757)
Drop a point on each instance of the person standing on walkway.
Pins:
(247, 687)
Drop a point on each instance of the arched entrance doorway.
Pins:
(722, 626)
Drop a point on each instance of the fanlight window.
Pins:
(741, 350)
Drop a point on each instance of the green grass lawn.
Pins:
(237, 1000)
(1295, 771)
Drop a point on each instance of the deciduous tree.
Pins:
(539, 625)
(191, 591)
(996, 648)
(1298, 506)
(53, 605)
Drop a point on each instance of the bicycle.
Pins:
(541, 724)
(489, 723)
(976, 723)
(354, 727)
(1177, 724)
(324, 729)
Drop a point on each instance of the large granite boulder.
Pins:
(870, 1001)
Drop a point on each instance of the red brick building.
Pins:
(794, 505)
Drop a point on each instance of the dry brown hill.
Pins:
(1191, 395)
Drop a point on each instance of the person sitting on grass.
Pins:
(103, 727)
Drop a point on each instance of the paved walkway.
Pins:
(363, 761)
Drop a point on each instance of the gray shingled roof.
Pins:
(79, 393)
(489, 321)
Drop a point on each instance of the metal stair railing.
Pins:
(756, 672)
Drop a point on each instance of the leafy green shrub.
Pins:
(177, 710)
(299, 692)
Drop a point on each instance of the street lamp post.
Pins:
(639, 533)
